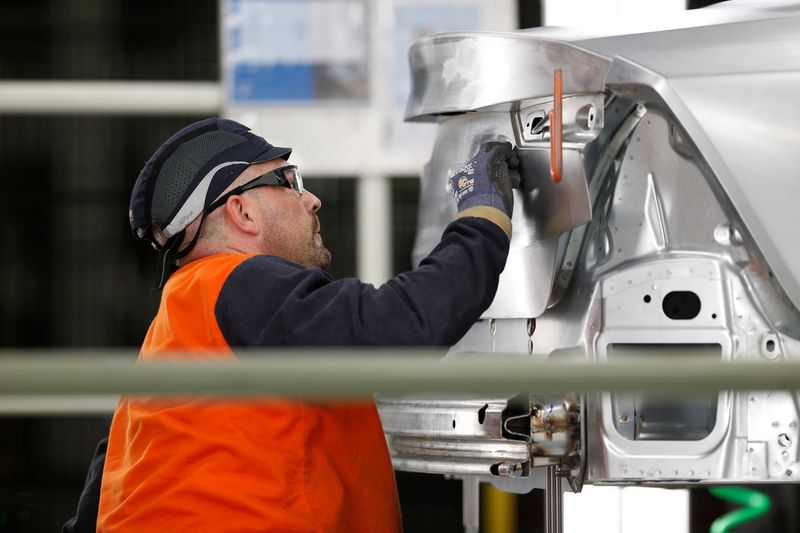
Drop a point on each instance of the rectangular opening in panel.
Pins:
(650, 416)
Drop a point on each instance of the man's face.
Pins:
(291, 224)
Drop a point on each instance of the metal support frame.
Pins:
(553, 516)
(471, 504)
(110, 97)
(374, 236)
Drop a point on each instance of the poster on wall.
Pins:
(279, 51)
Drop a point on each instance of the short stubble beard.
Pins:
(320, 256)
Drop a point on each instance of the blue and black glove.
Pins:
(485, 181)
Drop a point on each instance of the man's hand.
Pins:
(487, 178)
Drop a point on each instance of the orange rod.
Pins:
(556, 134)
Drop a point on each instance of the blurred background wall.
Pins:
(72, 276)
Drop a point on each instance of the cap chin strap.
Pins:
(168, 260)
(171, 254)
(189, 247)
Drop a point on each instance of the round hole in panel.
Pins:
(681, 305)
(769, 346)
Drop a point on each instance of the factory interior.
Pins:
(89, 89)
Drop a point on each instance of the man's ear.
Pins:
(240, 213)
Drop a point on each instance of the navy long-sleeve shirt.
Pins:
(269, 301)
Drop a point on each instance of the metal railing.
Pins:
(110, 97)
(53, 376)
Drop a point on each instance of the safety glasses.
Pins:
(288, 176)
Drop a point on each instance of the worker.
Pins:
(233, 213)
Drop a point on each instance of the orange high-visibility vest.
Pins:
(197, 464)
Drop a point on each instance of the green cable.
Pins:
(755, 504)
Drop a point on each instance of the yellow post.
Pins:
(499, 510)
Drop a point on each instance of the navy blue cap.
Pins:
(189, 171)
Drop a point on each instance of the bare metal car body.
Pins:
(675, 226)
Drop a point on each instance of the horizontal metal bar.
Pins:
(110, 97)
(50, 405)
(337, 374)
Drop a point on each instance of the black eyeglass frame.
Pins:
(274, 177)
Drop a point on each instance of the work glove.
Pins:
(487, 178)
